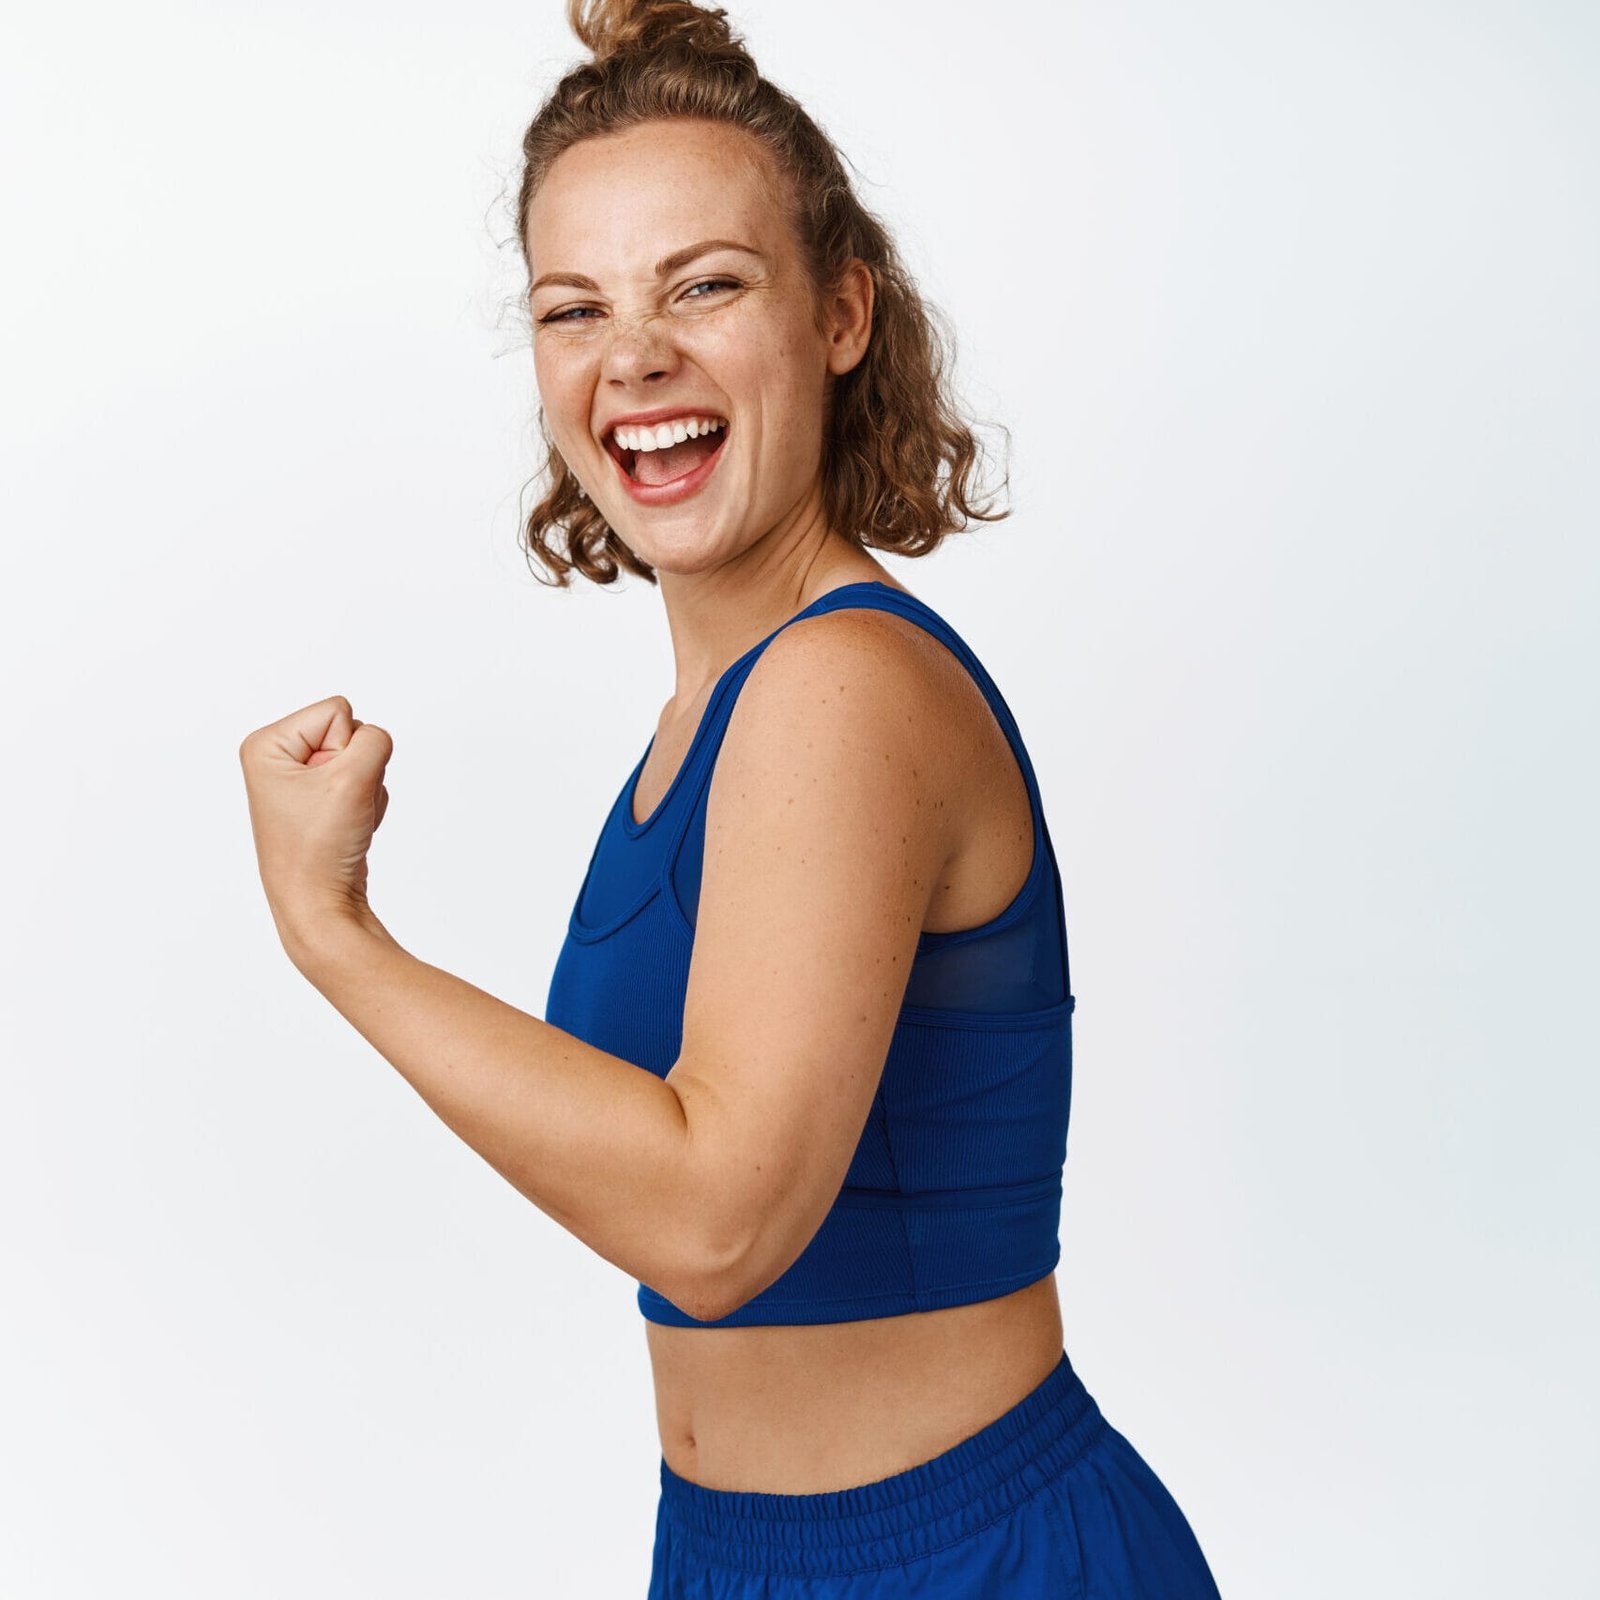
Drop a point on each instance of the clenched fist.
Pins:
(315, 785)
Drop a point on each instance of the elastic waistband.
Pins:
(898, 1518)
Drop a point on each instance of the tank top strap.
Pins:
(694, 775)
(689, 802)
(870, 594)
(881, 597)
(702, 758)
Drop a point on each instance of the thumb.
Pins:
(373, 743)
(369, 748)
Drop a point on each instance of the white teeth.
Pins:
(668, 433)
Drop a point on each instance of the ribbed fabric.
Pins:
(954, 1192)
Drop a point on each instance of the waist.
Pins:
(819, 1407)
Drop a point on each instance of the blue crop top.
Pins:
(954, 1192)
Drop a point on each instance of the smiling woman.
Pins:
(824, 910)
(806, 1060)
(676, 205)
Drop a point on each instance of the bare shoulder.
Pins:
(874, 689)
(874, 680)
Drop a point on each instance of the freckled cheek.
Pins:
(564, 395)
(754, 367)
(727, 353)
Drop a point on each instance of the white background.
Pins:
(1290, 310)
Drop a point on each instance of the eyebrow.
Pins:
(671, 263)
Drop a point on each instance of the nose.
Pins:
(638, 350)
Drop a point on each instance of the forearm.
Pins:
(595, 1142)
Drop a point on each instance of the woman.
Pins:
(805, 1066)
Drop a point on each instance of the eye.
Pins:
(708, 283)
(584, 313)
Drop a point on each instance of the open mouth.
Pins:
(653, 456)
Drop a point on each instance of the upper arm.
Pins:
(826, 831)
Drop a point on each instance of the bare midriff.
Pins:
(818, 1407)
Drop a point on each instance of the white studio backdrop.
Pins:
(1290, 311)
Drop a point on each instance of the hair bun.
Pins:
(625, 27)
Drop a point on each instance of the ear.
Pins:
(850, 317)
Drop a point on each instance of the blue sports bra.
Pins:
(954, 1192)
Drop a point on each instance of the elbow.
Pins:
(715, 1282)
(728, 1225)
(707, 1301)
(708, 1270)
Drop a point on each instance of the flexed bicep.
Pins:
(824, 840)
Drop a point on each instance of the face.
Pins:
(666, 280)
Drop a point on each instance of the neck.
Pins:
(716, 615)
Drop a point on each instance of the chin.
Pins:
(682, 560)
(685, 558)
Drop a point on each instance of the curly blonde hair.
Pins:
(899, 462)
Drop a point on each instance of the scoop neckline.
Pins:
(635, 829)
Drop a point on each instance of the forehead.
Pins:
(615, 203)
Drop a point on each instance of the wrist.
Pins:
(313, 931)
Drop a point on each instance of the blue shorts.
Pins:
(1048, 1500)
